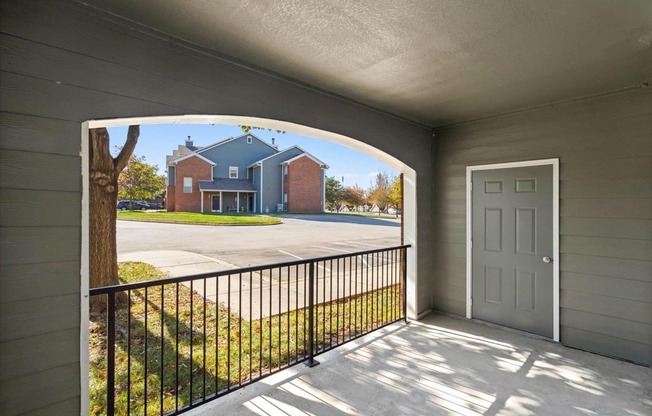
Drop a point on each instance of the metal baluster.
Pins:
(311, 317)
(176, 365)
(145, 366)
(240, 329)
(110, 362)
(228, 335)
(162, 340)
(128, 352)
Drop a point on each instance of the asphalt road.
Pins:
(300, 236)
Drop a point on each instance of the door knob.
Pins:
(547, 259)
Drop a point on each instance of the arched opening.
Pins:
(409, 193)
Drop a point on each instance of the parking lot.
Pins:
(182, 250)
(299, 237)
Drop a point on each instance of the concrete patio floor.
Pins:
(446, 366)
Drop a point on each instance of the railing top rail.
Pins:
(160, 282)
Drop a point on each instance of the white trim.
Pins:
(306, 154)
(201, 201)
(175, 161)
(237, 173)
(183, 185)
(84, 272)
(260, 162)
(261, 189)
(555, 232)
(248, 191)
(232, 139)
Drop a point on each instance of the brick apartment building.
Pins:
(244, 174)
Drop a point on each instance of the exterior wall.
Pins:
(208, 203)
(194, 168)
(171, 175)
(64, 52)
(605, 151)
(256, 177)
(237, 153)
(304, 186)
(169, 198)
(271, 190)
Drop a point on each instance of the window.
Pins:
(187, 185)
(285, 172)
(233, 172)
(285, 201)
(249, 139)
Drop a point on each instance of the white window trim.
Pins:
(236, 172)
(184, 185)
(555, 232)
(250, 139)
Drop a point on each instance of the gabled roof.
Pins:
(232, 139)
(194, 154)
(227, 184)
(308, 155)
(303, 152)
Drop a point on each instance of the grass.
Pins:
(197, 218)
(205, 363)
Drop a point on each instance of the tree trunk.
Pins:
(103, 198)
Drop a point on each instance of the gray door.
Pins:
(512, 246)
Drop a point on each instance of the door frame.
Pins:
(555, 232)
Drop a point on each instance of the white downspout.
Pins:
(261, 188)
(201, 197)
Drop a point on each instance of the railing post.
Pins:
(110, 361)
(311, 316)
(404, 281)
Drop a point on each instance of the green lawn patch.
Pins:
(198, 218)
(180, 332)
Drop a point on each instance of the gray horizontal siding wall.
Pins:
(605, 150)
(62, 64)
(237, 153)
(272, 178)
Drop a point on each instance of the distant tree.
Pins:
(396, 195)
(104, 170)
(353, 195)
(247, 129)
(333, 194)
(380, 190)
(140, 180)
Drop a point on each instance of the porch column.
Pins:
(237, 202)
(254, 202)
(201, 197)
(221, 206)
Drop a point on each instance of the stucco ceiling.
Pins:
(436, 62)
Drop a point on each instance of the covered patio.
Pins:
(227, 195)
(448, 366)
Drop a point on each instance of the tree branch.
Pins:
(123, 158)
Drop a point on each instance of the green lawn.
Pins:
(197, 218)
(205, 363)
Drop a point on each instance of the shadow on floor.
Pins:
(448, 366)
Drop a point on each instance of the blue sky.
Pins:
(158, 140)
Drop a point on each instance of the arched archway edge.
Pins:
(409, 174)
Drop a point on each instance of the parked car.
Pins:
(154, 205)
(132, 205)
(394, 211)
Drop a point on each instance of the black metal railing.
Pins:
(172, 344)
